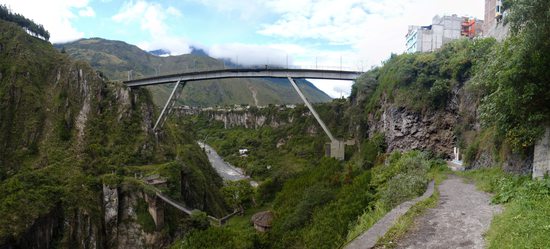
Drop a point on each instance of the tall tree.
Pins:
(517, 80)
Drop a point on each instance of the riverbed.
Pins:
(226, 171)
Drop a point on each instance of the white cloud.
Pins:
(244, 9)
(173, 11)
(372, 29)
(369, 30)
(334, 88)
(87, 12)
(255, 54)
(152, 18)
(55, 15)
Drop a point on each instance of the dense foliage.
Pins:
(27, 24)
(317, 204)
(421, 81)
(65, 132)
(516, 78)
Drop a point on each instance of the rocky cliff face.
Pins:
(404, 129)
(241, 117)
(64, 128)
(245, 119)
(122, 229)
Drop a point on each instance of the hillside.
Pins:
(72, 148)
(488, 98)
(115, 58)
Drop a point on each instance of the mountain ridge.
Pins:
(119, 60)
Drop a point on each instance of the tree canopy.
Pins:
(27, 24)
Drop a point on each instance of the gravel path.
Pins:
(462, 215)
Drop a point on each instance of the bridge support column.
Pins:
(336, 147)
(169, 104)
(156, 210)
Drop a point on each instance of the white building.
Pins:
(442, 30)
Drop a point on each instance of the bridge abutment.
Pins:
(156, 209)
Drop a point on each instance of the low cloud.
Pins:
(251, 54)
(152, 18)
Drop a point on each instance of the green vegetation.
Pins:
(115, 59)
(525, 221)
(316, 204)
(421, 81)
(144, 218)
(27, 24)
(238, 194)
(404, 178)
(438, 173)
(65, 132)
(515, 80)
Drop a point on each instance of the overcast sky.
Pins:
(352, 34)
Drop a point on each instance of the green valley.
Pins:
(81, 165)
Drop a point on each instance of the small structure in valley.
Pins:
(262, 220)
(155, 180)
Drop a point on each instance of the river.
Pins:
(226, 171)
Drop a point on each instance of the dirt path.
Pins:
(462, 215)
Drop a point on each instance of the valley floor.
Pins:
(459, 220)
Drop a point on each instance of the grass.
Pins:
(405, 222)
(525, 221)
(438, 173)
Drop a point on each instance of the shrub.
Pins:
(403, 187)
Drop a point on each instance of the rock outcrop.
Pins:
(406, 130)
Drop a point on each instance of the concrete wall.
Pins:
(490, 20)
(541, 158)
(497, 30)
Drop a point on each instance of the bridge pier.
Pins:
(156, 209)
(169, 104)
(336, 148)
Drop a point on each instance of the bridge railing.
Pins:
(134, 74)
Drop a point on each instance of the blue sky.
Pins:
(352, 34)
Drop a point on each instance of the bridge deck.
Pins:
(245, 73)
